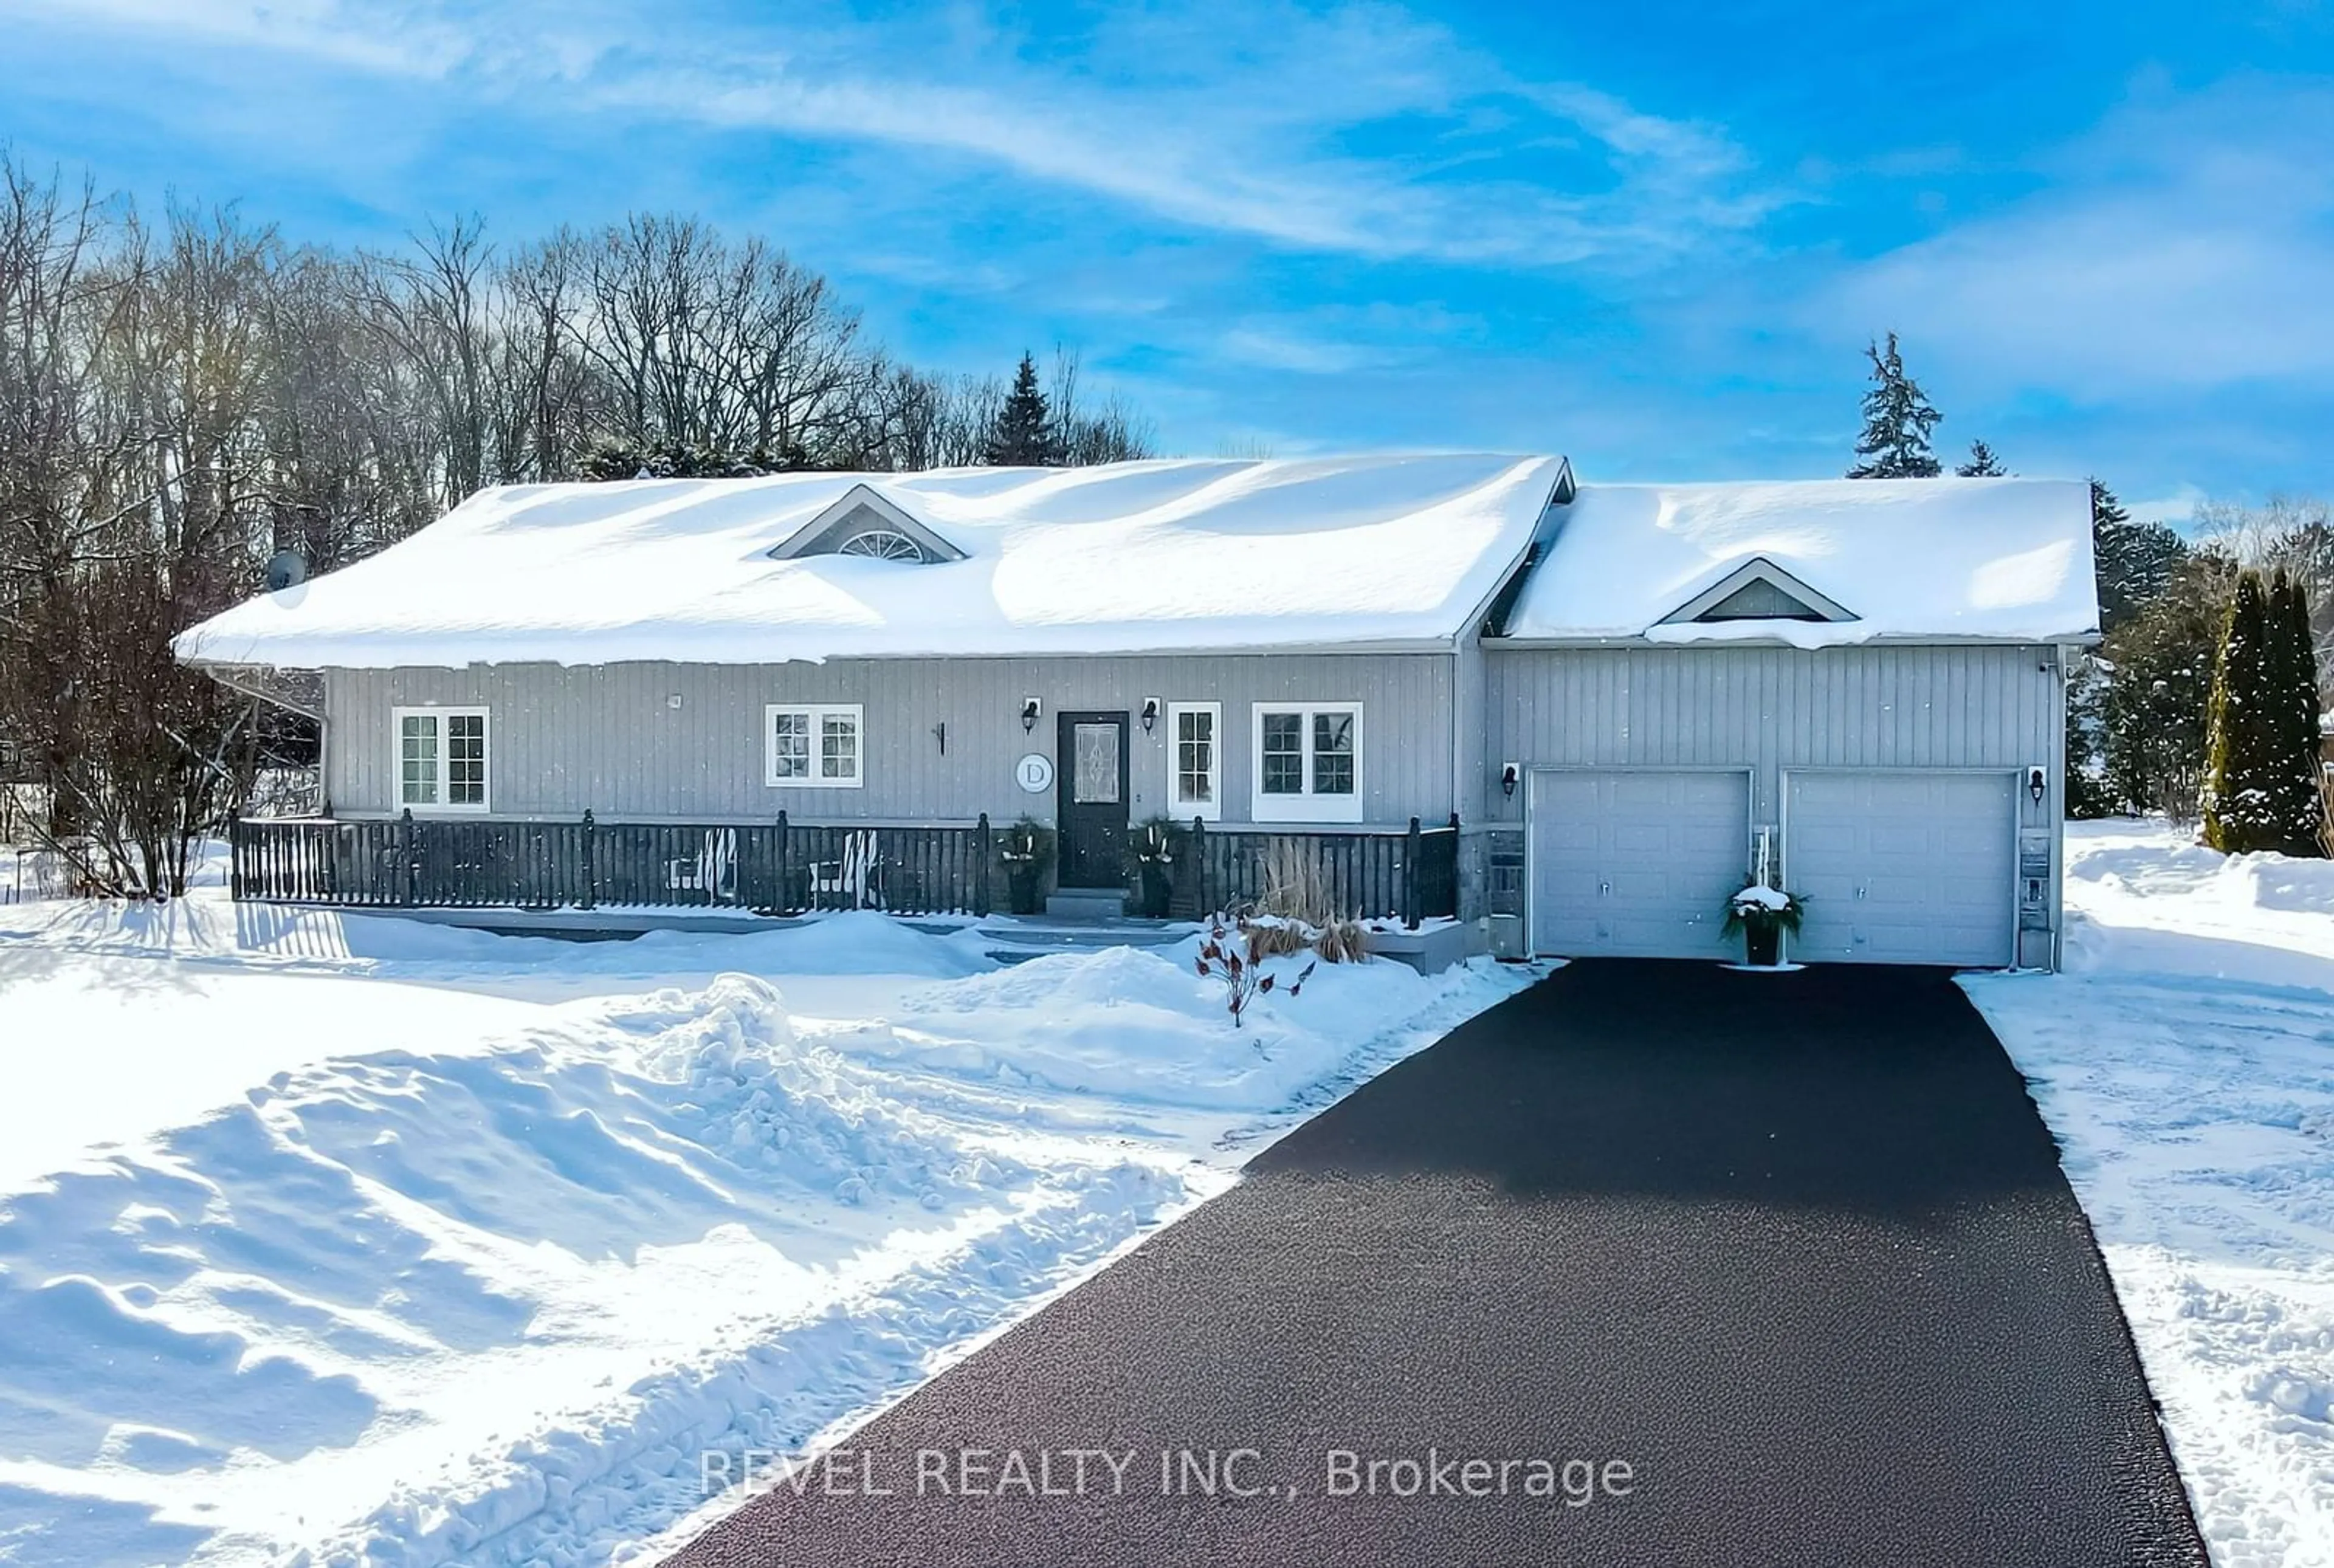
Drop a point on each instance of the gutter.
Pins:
(1888, 639)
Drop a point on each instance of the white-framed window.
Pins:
(440, 758)
(1307, 762)
(1195, 760)
(814, 746)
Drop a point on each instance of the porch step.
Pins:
(1087, 904)
(1015, 939)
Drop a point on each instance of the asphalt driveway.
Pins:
(1759, 1269)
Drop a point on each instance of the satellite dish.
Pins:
(288, 570)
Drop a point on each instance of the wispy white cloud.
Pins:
(2176, 508)
(1261, 120)
(2185, 245)
(1337, 339)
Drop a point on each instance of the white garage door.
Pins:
(1636, 865)
(1903, 867)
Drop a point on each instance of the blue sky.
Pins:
(1654, 235)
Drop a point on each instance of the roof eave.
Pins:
(1407, 644)
(1891, 639)
(1528, 558)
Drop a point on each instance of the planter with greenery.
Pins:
(1760, 914)
(1153, 852)
(1027, 850)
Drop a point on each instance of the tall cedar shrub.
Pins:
(2242, 777)
(2292, 663)
(1898, 419)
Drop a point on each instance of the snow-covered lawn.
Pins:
(333, 1240)
(2185, 1062)
(394, 1245)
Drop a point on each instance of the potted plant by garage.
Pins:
(1761, 914)
(1027, 851)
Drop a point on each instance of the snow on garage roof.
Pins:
(2000, 559)
(1128, 557)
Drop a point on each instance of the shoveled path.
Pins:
(1796, 1248)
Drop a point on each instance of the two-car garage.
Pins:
(1896, 865)
(1893, 790)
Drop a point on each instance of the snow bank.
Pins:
(2186, 1062)
(478, 1273)
(1142, 1024)
(2165, 866)
(2005, 559)
(1119, 558)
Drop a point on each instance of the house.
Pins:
(897, 666)
(1449, 686)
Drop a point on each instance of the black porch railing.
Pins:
(1406, 876)
(786, 868)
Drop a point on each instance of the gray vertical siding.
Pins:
(608, 737)
(1770, 708)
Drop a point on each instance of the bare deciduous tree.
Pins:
(180, 400)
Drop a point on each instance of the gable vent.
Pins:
(1757, 589)
(882, 544)
(1760, 601)
(865, 523)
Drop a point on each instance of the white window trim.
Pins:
(1307, 807)
(441, 806)
(819, 712)
(1212, 809)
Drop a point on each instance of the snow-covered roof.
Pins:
(2006, 560)
(1128, 557)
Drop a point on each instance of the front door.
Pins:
(1091, 812)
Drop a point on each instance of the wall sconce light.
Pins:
(1149, 713)
(940, 734)
(1510, 774)
(2038, 784)
(1030, 709)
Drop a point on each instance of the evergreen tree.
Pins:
(1898, 421)
(2159, 664)
(2106, 512)
(2242, 789)
(2293, 671)
(1981, 464)
(669, 459)
(2091, 791)
(1023, 436)
(2133, 561)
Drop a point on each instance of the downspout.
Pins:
(2059, 827)
(1452, 731)
(324, 752)
(294, 691)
